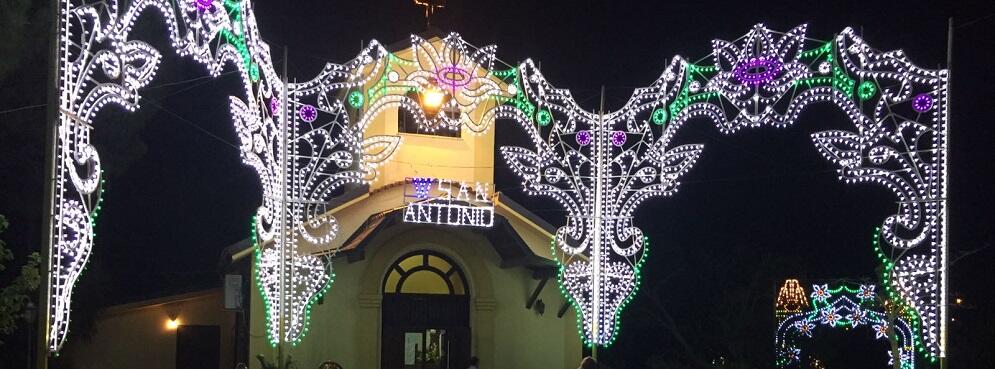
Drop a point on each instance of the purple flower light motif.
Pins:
(584, 138)
(308, 113)
(462, 70)
(422, 186)
(618, 138)
(453, 77)
(922, 102)
(757, 71)
(204, 5)
(274, 105)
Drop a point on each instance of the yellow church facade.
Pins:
(432, 266)
(430, 287)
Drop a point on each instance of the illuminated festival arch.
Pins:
(841, 305)
(301, 141)
(600, 167)
(307, 139)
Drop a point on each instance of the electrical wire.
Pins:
(975, 20)
(12, 110)
(194, 125)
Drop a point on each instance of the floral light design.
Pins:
(600, 167)
(450, 66)
(842, 308)
(759, 71)
(881, 330)
(804, 327)
(821, 293)
(746, 85)
(922, 102)
(101, 65)
(866, 292)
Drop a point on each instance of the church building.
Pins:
(432, 266)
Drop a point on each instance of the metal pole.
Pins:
(599, 176)
(946, 187)
(284, 113)
(51, 153)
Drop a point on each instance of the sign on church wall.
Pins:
(448, 202)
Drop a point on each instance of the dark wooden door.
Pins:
(406, 316)
(459, 343)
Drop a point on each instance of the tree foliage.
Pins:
(15, 296)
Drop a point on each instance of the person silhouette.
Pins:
(588, 363)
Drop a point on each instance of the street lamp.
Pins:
(432, 99)
(172, 324)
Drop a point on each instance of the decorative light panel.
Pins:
(444, 84)
(842, 305)
(307, 139)
(601, 166)
(298, 137)
(790, 298)
(305, 162)
(457, 203)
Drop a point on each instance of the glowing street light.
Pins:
(172, 324)
(432, 99)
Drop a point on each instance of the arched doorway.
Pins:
(426, 313)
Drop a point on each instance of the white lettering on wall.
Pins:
(471, 205)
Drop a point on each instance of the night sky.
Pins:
(760, 206)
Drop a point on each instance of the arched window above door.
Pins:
(425, 272)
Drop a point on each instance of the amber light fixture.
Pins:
(432, 99)
(172, 324)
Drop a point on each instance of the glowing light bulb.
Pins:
(172, 324)
(432, 99)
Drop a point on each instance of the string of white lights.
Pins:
(302, 149)
(841, 305)
(599, 166)
(590, 162)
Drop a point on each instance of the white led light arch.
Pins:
(848, 306)
(299, 138)
(600, 167)
(307, 139)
